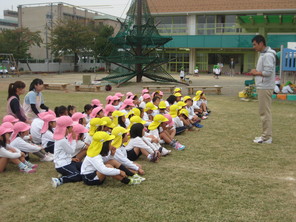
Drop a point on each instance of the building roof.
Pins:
(207, 6)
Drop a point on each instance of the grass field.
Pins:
(220, 176)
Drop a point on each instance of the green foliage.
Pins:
(100, 34)
(18, 42)
(76, 37)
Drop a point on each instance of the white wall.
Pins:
(56, 67)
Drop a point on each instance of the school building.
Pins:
(209, 32)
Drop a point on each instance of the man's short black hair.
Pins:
(258, 39)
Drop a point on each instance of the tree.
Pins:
(101, 34)
(69, 37)
(74, 37)
(18, 42)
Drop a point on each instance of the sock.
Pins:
(21, 165)
(128, 173)
(125, 180)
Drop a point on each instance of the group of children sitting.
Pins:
(103, 140)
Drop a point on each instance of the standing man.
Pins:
(265, 81)
(231, 67)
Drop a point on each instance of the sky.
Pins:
(112, 7)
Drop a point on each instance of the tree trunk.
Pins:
(76, 67)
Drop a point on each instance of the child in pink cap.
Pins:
(79, 118)
(146, 99)
(10, 119)
(109, 109)
(127, 106)
(109, 99)
(97, 112)
(129, 95)
(81, 146)
(115, 102)
(36, 127)
(8, 153)
(95, 103)
(20, 139)
(63, 152)
(47, 140)
(119, 95)
(144, 91)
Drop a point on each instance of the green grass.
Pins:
(220, 176)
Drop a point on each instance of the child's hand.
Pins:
(122, 173)
(75, 160)
(141, 172)
(113, 150)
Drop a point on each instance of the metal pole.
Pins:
(139, 43)
(281, 61)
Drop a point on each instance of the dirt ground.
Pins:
(231, 85)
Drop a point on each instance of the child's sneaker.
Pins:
(55, 182)
(198, 125)
(134, 181)
(46, 158)
(204, 117)
(179, 146)
(27, 169)
(31, 165)
(164, 151)
(136, 176)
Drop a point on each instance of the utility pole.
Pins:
(139, 52)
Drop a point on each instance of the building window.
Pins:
(202, 61)
(176, 25)
(220, 24)
(178, 58)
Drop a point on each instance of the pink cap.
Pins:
(145, 91)
(96, 102)
(109, 108)
(10, 119)
(127, 102)
(62, 123)
(129, 94)
(161, 93)
(42, 114)
(78, 128)
(146, 96)
(8, 125)
(77, 116)
(46, 119)
(51, 112)
(6, 128)
(119, 94)
(19, 127)
(108, 99)
(114, 98)
(95, 111)
(169, 117)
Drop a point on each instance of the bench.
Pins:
(170, 88)
(56, 86)
(216, 89)
(88, 88)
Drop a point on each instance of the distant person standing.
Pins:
(182, 74)
(33, 102)
(231, 67)
(265, 81)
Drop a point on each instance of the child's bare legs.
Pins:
(3, 163)
(203, 107)
(165, 136)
